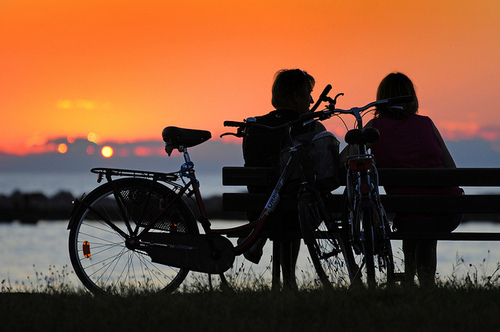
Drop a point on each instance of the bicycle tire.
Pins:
(327, 243)
(384, 247)
(98, 252)
(377, 258)
(366, 221)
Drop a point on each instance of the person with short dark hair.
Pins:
(410, 140)
(291, 96)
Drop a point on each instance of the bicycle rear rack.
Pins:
(158, 176)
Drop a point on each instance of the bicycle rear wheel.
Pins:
(376, 247)
(327, 242)
(108, 217)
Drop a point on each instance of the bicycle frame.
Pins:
(271, 204)
(148, 206)
(191, 187)
(357, 165)
(364, 200)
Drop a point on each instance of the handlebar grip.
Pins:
(399, 100)
(234, 124)
(322, 97)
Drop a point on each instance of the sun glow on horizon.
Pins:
(62, 148)
(107, 151)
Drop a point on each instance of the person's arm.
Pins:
(319, 127)
(447, 158)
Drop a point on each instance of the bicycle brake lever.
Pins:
(228, 134)
(334, 102)
(240, 133)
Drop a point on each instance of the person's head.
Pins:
(292, 90)
(397, 85)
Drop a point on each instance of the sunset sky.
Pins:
(123, 70)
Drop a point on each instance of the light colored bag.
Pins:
(318, 154)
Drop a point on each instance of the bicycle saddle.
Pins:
(362, 136)
(175, 137)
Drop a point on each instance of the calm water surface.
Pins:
(34, 252)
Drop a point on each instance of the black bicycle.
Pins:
(136, 232)
(363, 213)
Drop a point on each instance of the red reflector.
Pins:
(360, 164)
(86, 249)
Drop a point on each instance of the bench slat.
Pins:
(480, 177)
(392, 203)
(243, 202)
(441, 203)
(458, 236)
(242, 176)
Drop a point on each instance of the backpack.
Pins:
(318, 155)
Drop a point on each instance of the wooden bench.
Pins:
(474, 206)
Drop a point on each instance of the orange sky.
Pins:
(125, 69)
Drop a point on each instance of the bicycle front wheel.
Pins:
(327, 242)
(108, 217)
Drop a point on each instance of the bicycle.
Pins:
(368, 225)
(137, 234)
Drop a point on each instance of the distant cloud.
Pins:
(468, 130)
(83, 104)
(146, 151)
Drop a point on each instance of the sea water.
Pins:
(31, 254)
(37, 255)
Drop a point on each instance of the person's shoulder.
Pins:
(276, 117)
(421, 118)
(266, 117)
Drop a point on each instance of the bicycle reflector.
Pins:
(86, 249)
(360, 164)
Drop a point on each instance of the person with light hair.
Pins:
(409, 140)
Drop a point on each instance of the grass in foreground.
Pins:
(404, 309)
(467, 303)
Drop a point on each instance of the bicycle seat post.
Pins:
(184, 151)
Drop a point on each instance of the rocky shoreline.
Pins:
(32, 207)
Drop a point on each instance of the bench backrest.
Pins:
(464, 177)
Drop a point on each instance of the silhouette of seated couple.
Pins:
(406, 140)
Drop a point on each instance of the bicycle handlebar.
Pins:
(320, 115)
(235, 124)
(399, 100)
(387, 102)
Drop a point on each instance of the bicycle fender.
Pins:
(76, 205)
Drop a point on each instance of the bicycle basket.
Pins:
(318, 155)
